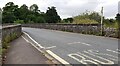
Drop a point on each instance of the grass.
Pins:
(6, 41)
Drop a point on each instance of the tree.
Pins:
(23, 12)
(40, 19)
(88, 17)
(118, 21)
(68, 20)
(14, 14)
(8, 12)
(52, 15)
(0, 15)
(34, 8)
(118, 17)
(95, 16)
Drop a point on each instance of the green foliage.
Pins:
(118, 22)
(86, 18)
(112, 23)
(8, 12)
(0, 15)
(31, 18)
(0, 51)
(40, 20)
(34, 8)
(95, 16)
(68, 20)
(7, 39)
(19, 22)
(5, 42)
(14, 14)
(85, 21)
(52, 16)
(118, 17)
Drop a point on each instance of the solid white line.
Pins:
(49, 52)
(57, 57)
(32, 44)
(33, 40)
(25, 39)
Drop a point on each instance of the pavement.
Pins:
(75, 48)
(22, 52)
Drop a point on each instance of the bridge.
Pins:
(73, 48)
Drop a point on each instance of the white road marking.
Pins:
(49, 52)
(118, 50)
(33, 40)
(113, 51)
(25, 39)
(32, 44)
(98, 53)
(57, 57)
(113, 59)
(79, 43)
(83, 59)
(109, 61)
(86, 44)
(50, 47)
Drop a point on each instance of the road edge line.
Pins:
(48, 51)
(57, 57)
(33, 40)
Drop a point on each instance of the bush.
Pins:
(19, 22)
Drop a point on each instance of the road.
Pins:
(77, 48)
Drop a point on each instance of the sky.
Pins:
(71, 8)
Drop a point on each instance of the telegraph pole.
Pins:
(102, 21)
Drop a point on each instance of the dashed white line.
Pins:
(113, 51)
(79, 43)
(98, 53)
(50, 47)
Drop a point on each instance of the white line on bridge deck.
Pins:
(50, 47)
(48, 51)
(57, 57)
(33, 40)
(79, 43)
(113, 51)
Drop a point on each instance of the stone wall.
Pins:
(9, 33)
(92, 29)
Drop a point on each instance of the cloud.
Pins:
(69, 8)
(119, 7)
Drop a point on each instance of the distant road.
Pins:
(77, 48)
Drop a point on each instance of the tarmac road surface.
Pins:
(77, 48)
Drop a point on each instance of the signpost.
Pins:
(102, 21)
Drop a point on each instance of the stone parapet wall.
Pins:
(92, 29)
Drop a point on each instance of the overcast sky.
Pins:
(70, 8)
